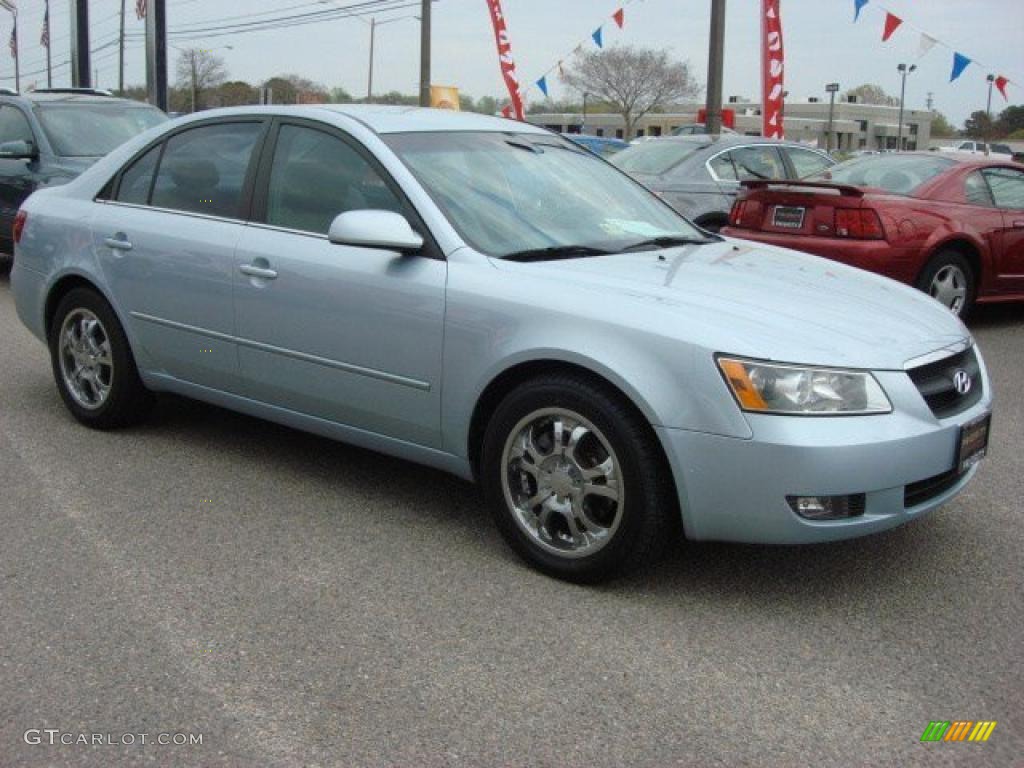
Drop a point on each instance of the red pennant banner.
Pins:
(772, 55)
(620, 17)
(508, 64)
(1001, 83)
(892, 23)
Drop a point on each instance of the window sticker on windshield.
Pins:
(632, 227)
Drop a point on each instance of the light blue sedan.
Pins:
(487, 298)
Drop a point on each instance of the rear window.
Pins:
(899, 174)
(653, 157)
(80, 130)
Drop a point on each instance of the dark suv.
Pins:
(50, 136)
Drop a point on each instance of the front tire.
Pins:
(93, 364)
(949, 279)
(576, 479)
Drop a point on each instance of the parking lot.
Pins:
(297, 601)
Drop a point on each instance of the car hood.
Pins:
(762, 301)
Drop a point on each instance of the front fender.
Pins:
(492, 326)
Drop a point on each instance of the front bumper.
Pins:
(876, 256)
(733, 489)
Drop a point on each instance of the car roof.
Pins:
(726, 140)
(65, 97)
(398, 119)
(963, 158)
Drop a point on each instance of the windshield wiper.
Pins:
(667, 242)
(556, 252)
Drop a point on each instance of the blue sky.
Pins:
(822, 44)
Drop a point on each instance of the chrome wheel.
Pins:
(86, 361)
(949, 287)
(562, 482)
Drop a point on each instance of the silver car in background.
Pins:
(485, 297)
(700, 175)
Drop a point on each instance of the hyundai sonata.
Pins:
(487, 298)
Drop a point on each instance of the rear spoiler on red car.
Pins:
(796, 186)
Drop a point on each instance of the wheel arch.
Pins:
(964, 246)
(521, 371)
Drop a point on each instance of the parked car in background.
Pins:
(605, 146)
(48, 137)
(700, 176)
(950, 224)
(698, 129)
(478, 295)
(978, 148)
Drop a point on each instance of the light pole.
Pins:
(425, 53)
(583, 120)
(373, 30)
(832, 89)
(988, 112)
(904, 70)
(716, 60)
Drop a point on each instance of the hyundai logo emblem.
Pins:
(962, 382)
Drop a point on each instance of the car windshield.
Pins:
(80, 130)
(900, 174)
(654, 157)
(509, 193)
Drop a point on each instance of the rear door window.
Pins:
(722, 168)
(14, 126)
(806, 162)
(758, 162)
(203, 169)
(976, 190)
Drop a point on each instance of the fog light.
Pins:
(828, 507)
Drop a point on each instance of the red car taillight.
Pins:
(859, 224)
(19, 226)
(746, 213)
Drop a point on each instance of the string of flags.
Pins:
(926, 42)
(597, 37)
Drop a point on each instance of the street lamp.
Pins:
(832, 89)
(988, 112)
(583, 120)
(904, 70)
(373, 29)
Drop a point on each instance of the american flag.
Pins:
(140, 9)
(14, 41)
(44, 37)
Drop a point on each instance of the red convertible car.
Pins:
(952, 226)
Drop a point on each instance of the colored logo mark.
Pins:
(958, 730)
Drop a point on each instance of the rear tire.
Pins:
(949, 279)
(93, 364)
(592, 503)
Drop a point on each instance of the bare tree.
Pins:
(199, 70)
(632, 80)
(869, 93)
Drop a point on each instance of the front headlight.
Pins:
(790, 389)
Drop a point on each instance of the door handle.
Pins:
(118, 243)
(254, 271)
(1018, 224)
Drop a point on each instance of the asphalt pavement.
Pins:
(293, 601)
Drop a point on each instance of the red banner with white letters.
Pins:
(508, 65)
(772, 55)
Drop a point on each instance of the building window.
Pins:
(654, 130)
(618, 133)
(862, 143)
(599, 132)
(573, 129)
(913, 129)
(639, 132)
(863, 126)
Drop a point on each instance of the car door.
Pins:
(348, 334)
(19, 177)
(166, 239)
(1007, 186)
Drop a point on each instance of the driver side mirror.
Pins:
(385, 230)
(18, 150)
